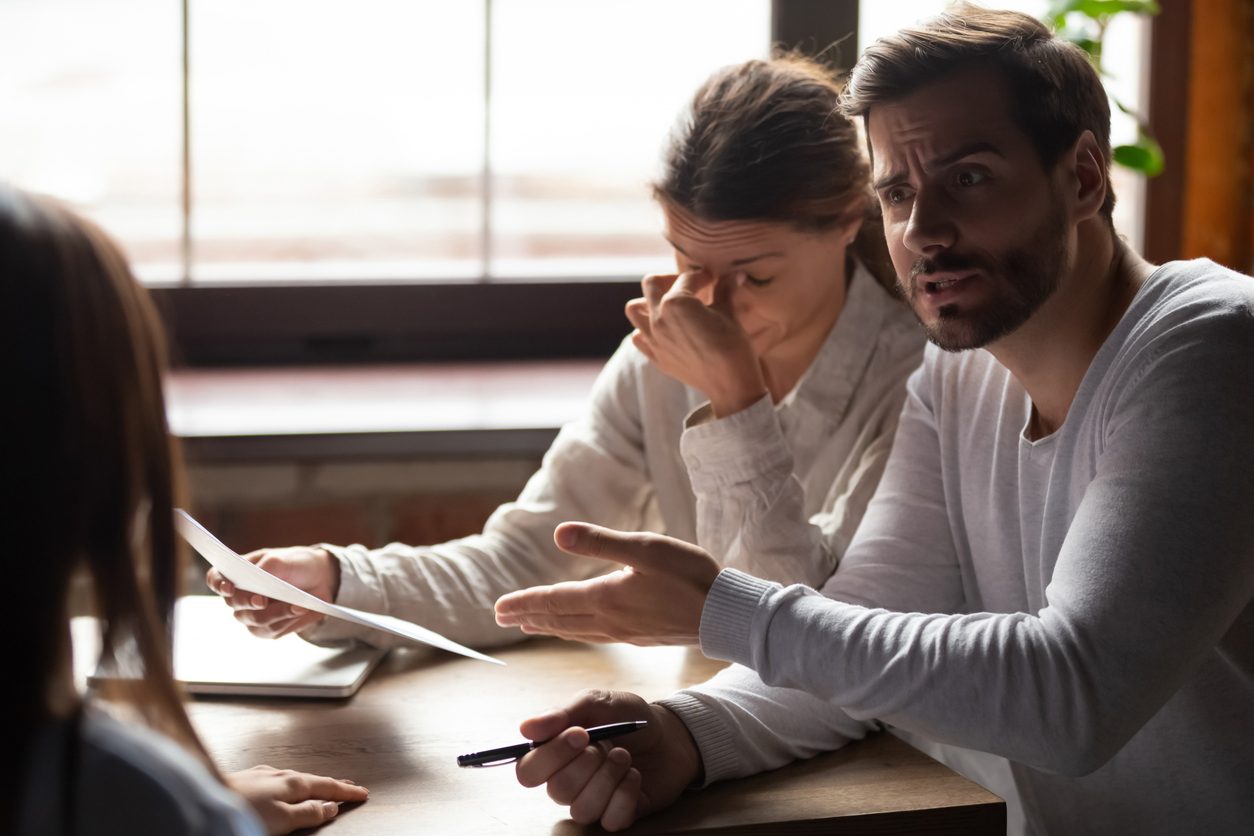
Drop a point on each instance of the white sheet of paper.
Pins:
(248, 576)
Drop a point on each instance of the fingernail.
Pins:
(257, 601)
(297, 610)
(330, 808)
(573, 741)
(565, 537)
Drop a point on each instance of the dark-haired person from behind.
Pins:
(93, 477)
(780, 298)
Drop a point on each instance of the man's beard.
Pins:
(1021, 279)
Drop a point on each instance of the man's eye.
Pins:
(971, 178)
(894, 196)
(756, 282)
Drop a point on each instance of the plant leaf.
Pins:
(1098, 9)
(1145, 156)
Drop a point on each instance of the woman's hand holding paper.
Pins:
(312, 569)
(656, 598)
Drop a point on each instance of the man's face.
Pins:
(977, 229)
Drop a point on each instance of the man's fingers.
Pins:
(565, 784)
(566, 598)
(544, 726)
(588, 628)
(595, 796)
(641, 550)
(541, 763)
(624, 804)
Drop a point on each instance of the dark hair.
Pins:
(766, 141)
(93, 471)
(1055, 92)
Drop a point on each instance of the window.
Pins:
(412, 140)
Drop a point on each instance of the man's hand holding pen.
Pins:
(611, 782)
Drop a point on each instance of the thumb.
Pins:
(546, 726)
(640, 550)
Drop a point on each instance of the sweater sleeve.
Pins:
(594, 471)
(742, 727)
(1156, 568)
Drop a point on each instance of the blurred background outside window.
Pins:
(408, 140)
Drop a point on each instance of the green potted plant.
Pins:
(1084, 23)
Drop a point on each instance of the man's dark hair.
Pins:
(1055, 92)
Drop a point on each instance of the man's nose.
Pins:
(930, 226)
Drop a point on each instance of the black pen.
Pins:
(508, 754)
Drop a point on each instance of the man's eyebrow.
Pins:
(740, 262)
(967, 150)
(981, 147)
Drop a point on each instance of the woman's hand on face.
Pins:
(613, 782)
(285, 800)
(685, 325)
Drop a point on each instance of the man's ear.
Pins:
(1087, 172)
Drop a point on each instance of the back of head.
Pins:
(765, 141)
(91, 465)
(1055, 91)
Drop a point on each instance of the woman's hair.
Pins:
(92, 470)
(766, 141)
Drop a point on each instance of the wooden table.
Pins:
(400, 734)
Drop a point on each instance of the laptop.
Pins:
(216, 655)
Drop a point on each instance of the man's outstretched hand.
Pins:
(656, 598)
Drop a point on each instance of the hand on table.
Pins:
(685, 325)
(656, 599)
(614, 781)
(285, 800)
(312, 569)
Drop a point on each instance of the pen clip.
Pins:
(501, 762)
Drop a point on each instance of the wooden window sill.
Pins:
(436, 409)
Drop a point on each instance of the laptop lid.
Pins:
(215, 654)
